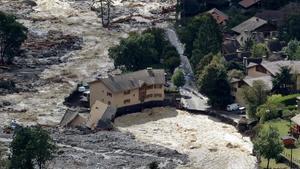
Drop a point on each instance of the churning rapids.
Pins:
(207, 142)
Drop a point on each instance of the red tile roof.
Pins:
(218, 15)
(248, 3)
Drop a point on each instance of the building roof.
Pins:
(281, 15)
(249, 25)
(274, 67)
(251, 64)
(296, 119)
(218, 15)
(248, 3)
(68, 117)
(133, 80)
(266, 79)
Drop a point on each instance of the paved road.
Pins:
(193, 100)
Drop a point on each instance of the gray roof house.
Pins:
(134, 80)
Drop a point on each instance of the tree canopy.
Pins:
(150, 48)
(178, 78)
(292, 50)
(12, 35)
(259, 50)
(290, 29)
(268, 143)
(283, 81)
(202, 35)
(213, 82)
(254, 97)
(31, 147)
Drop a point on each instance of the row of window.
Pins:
(155, 95)
(127, 101)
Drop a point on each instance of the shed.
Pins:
(72, 119)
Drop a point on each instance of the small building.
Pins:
(238, 84)
(264, 71)
(72, 119)
(288, 141)
(129, 89)
(255, 28)
(219, 16)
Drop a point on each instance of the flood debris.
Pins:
(99, 118)
(109, 149)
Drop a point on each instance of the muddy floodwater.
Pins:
(210, 144)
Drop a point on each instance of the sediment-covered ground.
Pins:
(78, 52)
(210, 144)
(110, 149)
(57, 71)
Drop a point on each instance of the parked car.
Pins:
(242, 110)
(232, 107)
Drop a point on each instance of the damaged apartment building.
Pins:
(121, 94)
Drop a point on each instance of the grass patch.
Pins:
(283, 127)
(272, 165)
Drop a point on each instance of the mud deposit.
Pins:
(110, 149)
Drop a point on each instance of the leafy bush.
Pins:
(178, 78)
(286, 100)
(288, 114)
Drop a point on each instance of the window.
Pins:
(126, 101)
(127, 92)
(150, 87)
(109, 94)
(149, 95)
(158, 95)
(158, 86)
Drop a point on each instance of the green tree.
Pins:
(283, 81)
(268, 143)
(213, 82)
(236, 17)
(259, 50)
(254, 97)
(234, 73)
(292, 27)
(292, 50)
(178, 78)
(31, 146)
(207, 40)
(12, 35)
(140, 51)
(203, 63)
(274, 4)
(202, 35)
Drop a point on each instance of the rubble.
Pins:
(110, 149)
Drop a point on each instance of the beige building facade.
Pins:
(129, 89)
(263, 72)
